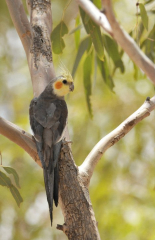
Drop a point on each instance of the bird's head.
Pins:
(63, 84)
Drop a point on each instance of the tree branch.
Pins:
(95, 14)
(20, 137)
(87, 167)
(40, 60)
(21, 23)
(122, 38)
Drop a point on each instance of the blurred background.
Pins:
(122, 188)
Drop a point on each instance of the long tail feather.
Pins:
(51, 178)
(57, 149)
(40, 153)
(56, 185)
(49, 185)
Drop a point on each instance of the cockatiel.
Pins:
(48, 114)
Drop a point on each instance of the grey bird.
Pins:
(48, 115)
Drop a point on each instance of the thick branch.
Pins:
(40, 60)
(121, 37)
(21, 23)
(20, 137)
(80, 222)
(87, 168)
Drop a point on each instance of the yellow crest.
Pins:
(65, 72)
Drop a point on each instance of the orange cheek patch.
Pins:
(58, 85)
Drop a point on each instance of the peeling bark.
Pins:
(40, 5)
(41, 46)
(40, 59)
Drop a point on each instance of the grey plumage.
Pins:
(48, 114)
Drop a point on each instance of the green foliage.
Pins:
(5, 181)
(77, 32)
(85, 43)
(97, 3)
(149, 45)
(144, 16)
(95, 33)
(12, 171)
(103, 66)
(87, 81)
(58, 32)
(112, 50)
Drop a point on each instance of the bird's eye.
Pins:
(64, 81)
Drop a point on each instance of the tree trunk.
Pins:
(80, 222)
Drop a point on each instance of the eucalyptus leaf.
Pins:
(144, 16)
(77, 32)
(97, 3)
(82, 48)
(15, 193)
(104, 69)
(12, 171)
(4, 180)
(112, 50)
(95, 33)
(149, 45)
(87, 70)
(58, 32)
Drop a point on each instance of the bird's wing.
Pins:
(55, 125)
(60, 117)
(48, 120)
(37, 129)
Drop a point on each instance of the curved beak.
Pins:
(71, 87)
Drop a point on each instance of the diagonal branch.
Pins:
(128, 44)
(87, 167)
(21, 23)
(121, 37)
(20, 137)
(95, 14)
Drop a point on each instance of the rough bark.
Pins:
(40, 59)
(80, 222)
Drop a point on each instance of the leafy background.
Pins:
(106, 92)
